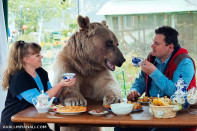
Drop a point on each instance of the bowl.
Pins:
(121, 109)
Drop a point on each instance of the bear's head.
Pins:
(95, 46)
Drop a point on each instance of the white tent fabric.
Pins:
(123, 7)
(194, 2)
(3, 54)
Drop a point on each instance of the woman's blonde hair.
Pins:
(19, 50)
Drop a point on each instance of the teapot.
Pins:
(42, 102)
(180, 95)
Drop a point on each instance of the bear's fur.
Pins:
(90, 53)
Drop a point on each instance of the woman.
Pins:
(24, 78)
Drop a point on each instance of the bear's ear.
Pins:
(103, 22)
(83, 22)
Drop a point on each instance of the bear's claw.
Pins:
(75, 102)
(108, 100)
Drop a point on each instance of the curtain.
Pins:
(3, 37)
(3, 53)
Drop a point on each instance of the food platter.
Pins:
(97, 114)
(107, 109)
(145, 103)
(70, 113)
(55, 107)
(146, 100)
(137, 110)
(70, 110)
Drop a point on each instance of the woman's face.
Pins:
(33, 60)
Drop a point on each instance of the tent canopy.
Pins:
(120, 7)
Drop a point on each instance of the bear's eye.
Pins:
(109, 44)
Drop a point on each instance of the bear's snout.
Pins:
(121, 61)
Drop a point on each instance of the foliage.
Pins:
(31, 13)
(127, 73)
(73, 25)
(65, 32)
(27, 38)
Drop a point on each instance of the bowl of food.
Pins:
(121, 109)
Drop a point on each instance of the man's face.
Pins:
(159, 47)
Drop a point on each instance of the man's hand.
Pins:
(147, 67)
(133, 95)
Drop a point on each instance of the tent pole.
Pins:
(5, 9)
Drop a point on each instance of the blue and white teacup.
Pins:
(68, 76)
(137, 61)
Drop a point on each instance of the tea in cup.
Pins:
(137, 61)
(69, 76)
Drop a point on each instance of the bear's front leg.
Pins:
(112, 93)
(107, 88)
(70, 96)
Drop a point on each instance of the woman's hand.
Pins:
(67, 82)
(56, 90)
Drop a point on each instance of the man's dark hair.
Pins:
(171, 35)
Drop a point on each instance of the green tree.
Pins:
(34, 12)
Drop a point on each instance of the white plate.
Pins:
(54, 107)
(98, 114)
(70, 113)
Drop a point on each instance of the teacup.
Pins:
(68, 76)
(192, 96)
(137, 61)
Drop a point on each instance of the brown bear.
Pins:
(91, 53)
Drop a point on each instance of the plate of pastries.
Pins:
(53, 107)
(70, 110)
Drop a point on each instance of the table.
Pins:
(186, 118)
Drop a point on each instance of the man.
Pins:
(166, 62)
